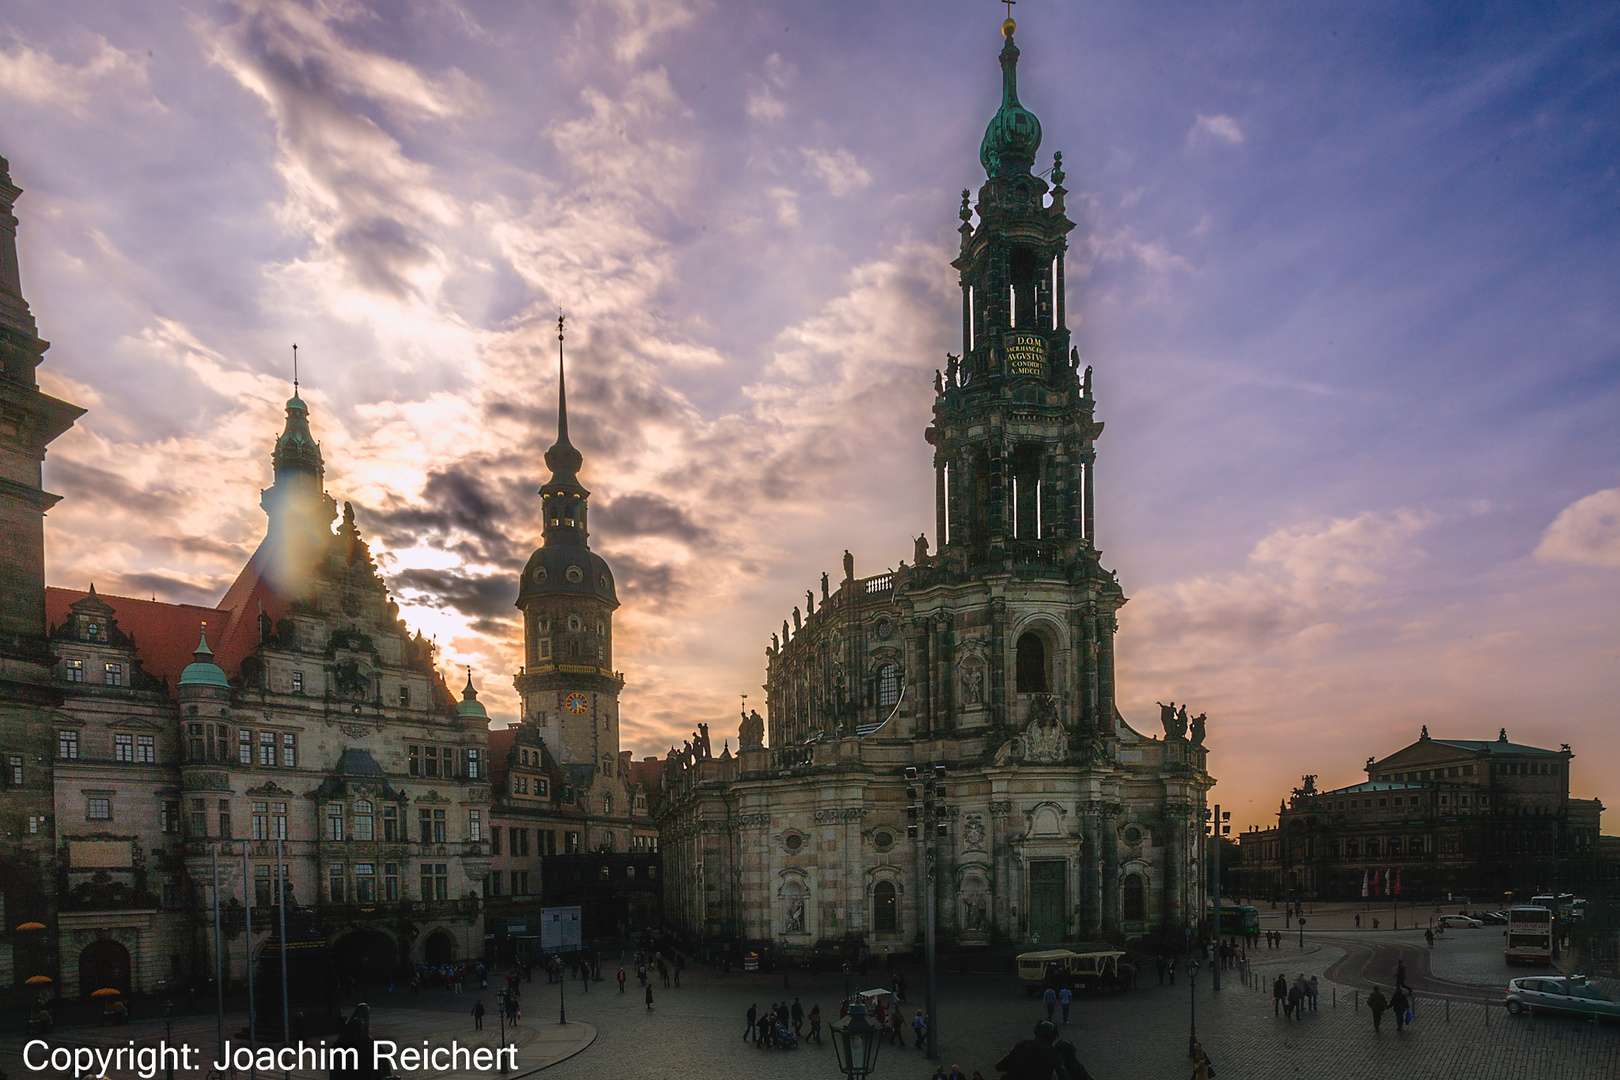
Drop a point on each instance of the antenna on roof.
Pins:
(295, 369)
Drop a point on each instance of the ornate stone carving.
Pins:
(754, 821)
(973, 831)
(1045, 739)
(847, 814)
(1001, 809)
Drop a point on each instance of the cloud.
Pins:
(839, 168)
(1586, 532)
(1219, 128)
(1300, 585)
(109, 78)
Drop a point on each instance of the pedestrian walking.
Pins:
(1400, 975)
(478, 1015)
(815, 1023)
(1203, 1069)
(649, 997)
(1358, 922)
(1279, 994)
(1376, 1004)
(1402, 1006)
(797, 1012)
(919, 1024)
(753, 1022)
(1063, 999)
(1310, 991)
(897, 1026)
(1050, 999)
(622, 980)
(1291, 1006)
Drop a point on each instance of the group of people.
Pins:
(781, 1025)
(1293, 1000)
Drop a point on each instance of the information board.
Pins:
(559, 929)
(1026, 356)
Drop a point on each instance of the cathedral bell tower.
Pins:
(1014, 436)
(568, 686)
(1013, 427)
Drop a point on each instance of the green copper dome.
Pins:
(296, 449)
(469, 707)
(202, 671)
(1014, 134)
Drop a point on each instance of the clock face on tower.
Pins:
(575, 702)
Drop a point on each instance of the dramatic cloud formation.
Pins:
(1352, 328)
(1587, 531)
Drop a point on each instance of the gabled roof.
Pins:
(1495, 746)
(1373, 785)
(165, 634)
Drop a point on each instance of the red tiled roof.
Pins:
(165, 634)
(500, 744)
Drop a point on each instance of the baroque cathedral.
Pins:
(951, 727)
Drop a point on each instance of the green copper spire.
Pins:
(562, 459)
(1014, 134)
(202, 671)
(296, 449)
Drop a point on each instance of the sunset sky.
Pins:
(1348, 275)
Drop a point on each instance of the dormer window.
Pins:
(74, 670)
(115, 674)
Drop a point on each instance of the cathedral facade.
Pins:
(950, 728)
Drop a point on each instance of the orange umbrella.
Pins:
(36, 980)
(32, 926)
(106, 991)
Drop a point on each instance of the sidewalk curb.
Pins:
(586, 1045)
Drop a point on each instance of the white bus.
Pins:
(1529, 935)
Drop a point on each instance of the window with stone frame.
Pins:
(124, 748)
(244, 746)
(362, 820)
(888, 685)
(145, 749)
(67, 745)
(289, 750)
(74, 670)
(267, 748)
(390, 816)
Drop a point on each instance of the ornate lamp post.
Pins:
(500, 1004)
(168, 1036)
(855, 1041)
(926, 818)
(1192, 983)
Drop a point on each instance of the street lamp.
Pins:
(926, 821)
(168, 1036)
(1192, 982)
(855, 1041)
(500, 1004)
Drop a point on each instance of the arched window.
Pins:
(888, 685)
(1031, 664)
(885, 909)
(1135, 906)
(1416, 845)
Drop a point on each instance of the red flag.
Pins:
(1397, 883)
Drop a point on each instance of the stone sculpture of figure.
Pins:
(795, 915)
(1167, 717)
(1085, 383)
(797, 624)
(1181, 719)
(784, 632)
(751, 733)
(776, 643)
(824, 583)
(939, 382)
(920, 554)
(703, 741)
(951, 363)
(1198, 728)
(849, 566)
(809, 603)
(686, 750)
(973, 686)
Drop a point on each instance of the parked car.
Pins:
(1453, 921)
(1494, 918)
(1572, 994)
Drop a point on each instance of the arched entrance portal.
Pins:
(366, 956)
(439, 949)
(103, 964)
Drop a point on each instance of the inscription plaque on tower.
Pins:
(1026, 356)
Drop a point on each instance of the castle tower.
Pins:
(300, 510)
(568, 686)
(31, 420)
